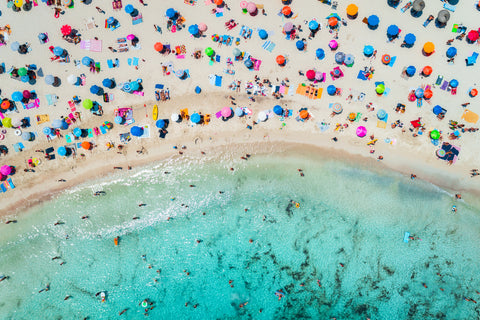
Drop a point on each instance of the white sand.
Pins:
(407, 155)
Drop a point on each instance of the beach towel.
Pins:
(362, 75)
(42, 118)
(51, 99)
(103, 129)
(68, 138)
(469, 116)
(90, 132)
(268, 45)
(218, 81)
(135, 61)
(444, 85)
(95, 45)
(138, 19)
(392, 61)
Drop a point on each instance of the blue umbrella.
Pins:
(15, 45)
(134, 86)
(47, 131)
(392, 30)
(17, 96)
(111, 20)
(373, 21)
(49, 79)
(410, 39)
(331, 90)
(239, 112)
(451, 52)
(410, 71)
(300, 45)
(27, 136)
(313, 25)
(419, 93)
(349, 59)
(193, 29)
(339, 57)
(248, 63)
(62, 151)
(136, 131)
(198, 89)
(108, 83)
(118, 120)
(77, 132)
(129, 8)
(42, 36)
(453, 83)
(195, 118)
(126, 87)
(278, 110)
(381, 114)
(262, 34)
(25, 78)
(320, 54)
(86, 61)
(437, 110)
(94, 89)
(161, 123)
(57, 51)
(368, 50)
(171, 13)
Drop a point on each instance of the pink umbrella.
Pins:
(318, 76)
(226, 112)
(361, 131)
(26, 94)
(130, 37)
(251, 7)
(310, 74)
(288, 27)
(202, 27)
(243, 4)
(5, 170)
(333, 44)
(473, 35)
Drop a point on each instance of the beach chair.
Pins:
(184, 114)
(206, 119)
(472, 59)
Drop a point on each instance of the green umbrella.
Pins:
(380, 89)
(88, 104)
(22, 72)
(209, 51)
(7, 122)
(435, 135)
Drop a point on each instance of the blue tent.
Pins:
(410, 71)
(94, 89)
(300, 45)
(77, 132)
(195, 118)
(278, 110)
(49, 79)
(248, 63)
(17, 96)
(437, 110)
(129, 8)
(47, 131)
(198, 90)
(86, 61)
(410, 39)
(313, 25)
(373, 21)
(160, 124)
(381, 114)
(118, 120)
(58, 51)
(239, 112)
(331, 90)
(171, 13)
(320, 53)
(392, 30)
(193, 29)
(62, 151)
(451, 52)
(134, 86)
(453, 83)
(108, 83)
(136, 131)
(368, 50)
(262, 34)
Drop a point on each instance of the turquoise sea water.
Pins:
(340, 254)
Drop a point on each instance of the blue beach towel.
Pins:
(392, 61)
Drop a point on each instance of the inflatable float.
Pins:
(115, 240)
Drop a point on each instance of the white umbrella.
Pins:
(72, 79)
(262, 116)
(16, 123)
(175, 117)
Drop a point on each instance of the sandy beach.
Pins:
(402, 149)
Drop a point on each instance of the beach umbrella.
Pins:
(87, 61)
(251, 8)
(25, 78)
(381, 114)
(300, 45)
(427, 94)
(15, 46)
(195, 118)
(77, 132)
(380, 89)
(392, 30)
(419, 93)
(331, 90)
(130, 37)
(361, 131)
(5, 170)
(66, 30)
(118, 120)
(87, 104)
(209, 51)
(368, 50)
(158, 46)
(111, 20)
(136, 131)
(198, 90)
(337, 108)
(333, 44)
(410, 39)
(352, 11)
(47, 131)
(262, 116)
(437, 110)
(193, 29)
(443, 16)
(473, 93)
(453, 2)
(349, 60)
(386, 59)
(451, 52)
(17, 96)
(427, 70)
(107, 83)
(303, 114)
(428, 48)
(134, 86)
(160, 124)
(58, 124)
(86, 145)
(373, 21)
(280, 60)
(7, 122)
(313, 25)
(18, 3)
(318, 76)
(58, 51)
(175, 117)
(288, 27)
(418, 6)
(126, 87)
(320, 54)
(226, 112)
(16, 122)
(453, 83)
(22, 72)
(236, 52)
(62, 151)
(218, 2)
(332, 22)
(94, 89)
(248, 63)
(286, 11)
(410, 71)
(262, 34)
(339, 57)
(26, 94)
(129, 9)
(243, 4)
(170, 13)
(472, 36)
(434, 134)
(202, 27)
(278, 110)
(239, 112)
(72, 79)
(5, 104)
(441, 153)
(310, 74)
(49, 79)
(67, 3)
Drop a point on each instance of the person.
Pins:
(458, 196)
(413, 176)
(100, 10)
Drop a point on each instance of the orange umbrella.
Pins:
(428, 47)
(5, 104)
(286, 11)
(158, 46)
(473, 93)
(427, 94)
(352, 10)
(427, 71)
(352, 116)
(304, 114)
(280, 60)
(86, 145)
(332, 21)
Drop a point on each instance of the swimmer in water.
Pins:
(122, 312)
(142, 204)
(85, 217)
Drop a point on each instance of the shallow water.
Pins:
(347, 216)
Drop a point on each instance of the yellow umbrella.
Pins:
(18, 3)
(428, 47)
(352, 10)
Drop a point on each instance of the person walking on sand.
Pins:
(100, 10)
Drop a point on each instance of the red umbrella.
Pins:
(473, 35)
(310, 74)
(66, 30)
(280, 59)
(427, 94)
(158, 46)
(286, 11)
(26, 94)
